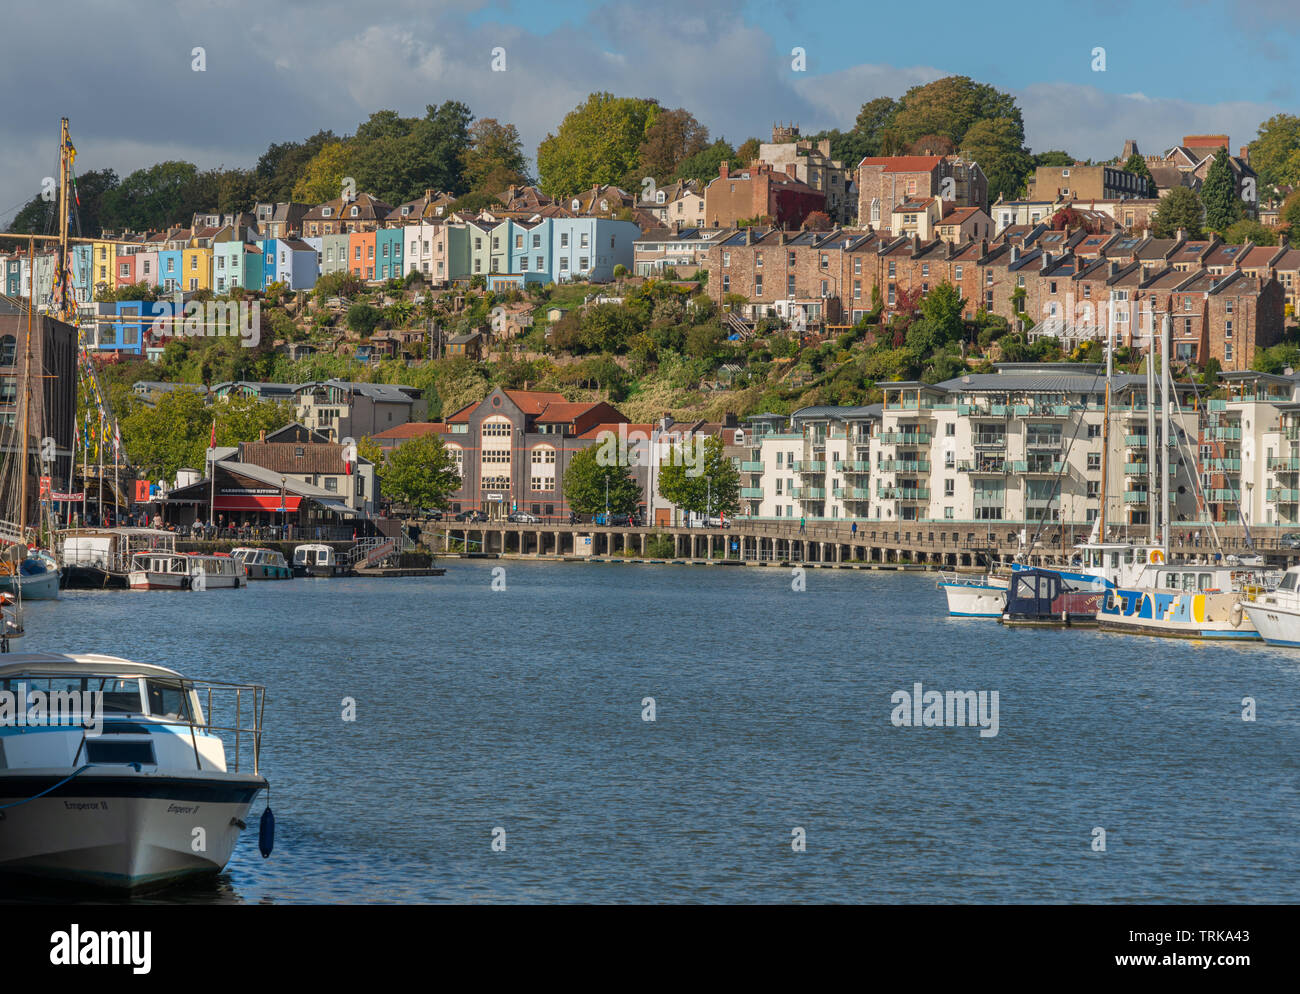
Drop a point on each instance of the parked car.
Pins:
(471, 516)
(523, 518)
(1291, 540)
(615, 520)
(431, 513)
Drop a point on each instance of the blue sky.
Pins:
(282, 69)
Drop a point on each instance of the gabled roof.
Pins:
(903, 163)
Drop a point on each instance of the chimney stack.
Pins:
(724, 169)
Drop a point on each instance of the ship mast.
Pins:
(1105, 439)
(27, 381)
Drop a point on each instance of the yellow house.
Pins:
(103, 267)
(196, 266)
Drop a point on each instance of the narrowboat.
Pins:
(129, 785)
(263, 564)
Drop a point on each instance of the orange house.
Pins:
(361, 254)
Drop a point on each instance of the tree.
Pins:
(322, 177)
(1279, 138)
(1290, 213)
(1180, 208)
(950, 107)
(363, 319)
(818, 221)
(942, 308)
(596, 143)
(870, 129)
(932, 145)
(700, 479)
(1137, 166)
(674, 137)
(703, 166)
(281, 165)
(997, 145)
(1219, 195)
(1252, 231)
(595, 471)
(421, 472)
(174, 433)
(494, 159)
(747, 152)
(155, 197)
(39, 216)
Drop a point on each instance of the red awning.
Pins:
(256, 502)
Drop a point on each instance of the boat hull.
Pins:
(36, 587)
(123, 831)
(80, 577)
(257, 571)
(148, 580)
(975, 600)
(1176, 614)
(1276, 625)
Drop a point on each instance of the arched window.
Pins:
(875, 211)
(8, 350)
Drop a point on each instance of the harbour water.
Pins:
(522, 709)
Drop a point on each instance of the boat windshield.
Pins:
(121, 695)
(1288, 582)
(167, 700)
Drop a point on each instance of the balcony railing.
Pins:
(853, 493)
(852, 466)
(905, 466)
(809, 493)
(810, 466)
(983, 466)
(1136, 441)
(1221, 496)
(751, 466)
(1283, 464)
(906, 438)
(1225, 433)
(903, 493)
(990, 441)
(751, 493)
(1223, 465)
(1283, 495)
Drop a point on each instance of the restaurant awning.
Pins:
(336, 506)
(256, 502)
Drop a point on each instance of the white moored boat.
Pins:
(1276, 614)
(975, 596)
(216, 571)
(151, 797)
(160, 569)
(263, 564)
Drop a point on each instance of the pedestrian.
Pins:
(803, 525)
(853, 529)
(1198, 539)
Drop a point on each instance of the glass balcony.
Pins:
(983, 466)
(1283, 496)
(852, 466)
(853, 493)
(906, 438)
(990, 441)
(751, 466)
(905, 466)
(903, 493)
(1135, 441)
(1223, 465)
(751, 493)
(1281, 464)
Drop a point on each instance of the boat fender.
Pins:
(266, 833)
(185, 583)
(1236, 614)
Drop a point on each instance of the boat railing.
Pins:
(241, 705)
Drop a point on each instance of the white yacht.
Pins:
(263, 564)
(1276, 614)
(129, 783)
(316, 560)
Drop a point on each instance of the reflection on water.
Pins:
(521, 709)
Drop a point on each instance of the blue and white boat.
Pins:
(126, 782)
(1276, 613)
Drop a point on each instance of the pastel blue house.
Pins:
(290, 261)
(530, 251)
(169, 269)
(388, 252)
(590, 247)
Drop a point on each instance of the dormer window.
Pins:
(326, 211)
(577, 204)
(405, 211)
(355, 211)
(604, 205)
(659, 196)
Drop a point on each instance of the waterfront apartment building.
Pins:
(1022, 445)
(339, 409)
(1249, 450)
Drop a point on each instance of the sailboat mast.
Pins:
(1164, 432)
(1153, 465)
(1105, 439)
(27, 381)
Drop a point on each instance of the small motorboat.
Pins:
(263, 564)
(317, 560)
(975, 596)
(1183, 600)
(1042, 598)
(35, 576)
(129, 784)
